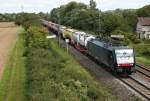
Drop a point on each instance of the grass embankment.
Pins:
(56, 76)
(13, 82)
(143, 54)
(143, 61)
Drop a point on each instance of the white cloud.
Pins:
(47, 5)
(124, 4)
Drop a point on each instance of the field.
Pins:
(12, 84)
(7, 24)
(8, 35)
(13, 79)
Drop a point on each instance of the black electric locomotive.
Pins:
(117, 57)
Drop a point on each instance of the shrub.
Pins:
(142, 50)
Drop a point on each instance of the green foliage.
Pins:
(92, 93)
(77, 15)
(6, 17)
(128, 37)
(28, 19)
(146, 41)
(36, 37)
(144, 60)
(144, 11)
(90, 19)
(142, 50)
(92, 4)
(113, 21)
(131, 18)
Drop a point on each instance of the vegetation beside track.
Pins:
(143, 54)
(13, 82)
(53, 75)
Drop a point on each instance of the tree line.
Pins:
(91, 19)
(88, 17)
(85, 17)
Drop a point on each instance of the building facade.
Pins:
(143, 27)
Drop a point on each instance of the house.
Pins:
(143, 27)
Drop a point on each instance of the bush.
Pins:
(36, 37)
(142, 50)
(92, 93)
(129, 37)
(146, 41)
(28, 19)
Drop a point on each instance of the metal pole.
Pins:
(58, 15)
(67, 48)
(99, 24)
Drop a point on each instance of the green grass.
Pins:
(144, 60)
(13, 82)
(142, 52)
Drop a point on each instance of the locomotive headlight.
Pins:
(131, 64)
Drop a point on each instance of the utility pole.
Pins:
(99, 32)
(67, 47)
(58, 15)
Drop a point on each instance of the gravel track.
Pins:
(138, 87)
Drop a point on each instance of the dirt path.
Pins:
(7, 38)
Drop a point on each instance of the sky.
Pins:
(13, 6)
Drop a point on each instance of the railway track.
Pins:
(140, 88)
(143, 70)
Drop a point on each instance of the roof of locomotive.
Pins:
(80, 32)
(69, 30)
(108, 45)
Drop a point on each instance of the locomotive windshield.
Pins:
(124, 56)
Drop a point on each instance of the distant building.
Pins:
(143, 27)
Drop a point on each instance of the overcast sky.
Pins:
(47, 5)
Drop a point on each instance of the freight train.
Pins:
(119, 58)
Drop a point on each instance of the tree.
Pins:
(131, 18)
(92, 4)
(28, 19)
(77, 15)
(144, 11)
(7, 17)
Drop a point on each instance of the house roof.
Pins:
(145, 21)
